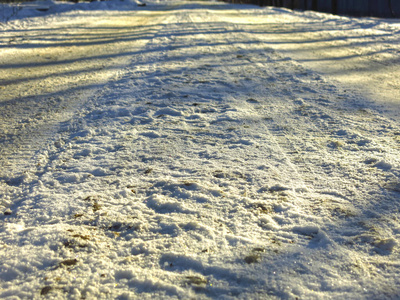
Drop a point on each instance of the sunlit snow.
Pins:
(197, 150)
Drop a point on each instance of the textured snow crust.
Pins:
(172, 152)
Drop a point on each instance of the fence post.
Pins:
(334, 7)
(314, 5)
(391, 9)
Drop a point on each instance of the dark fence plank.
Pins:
(374, 8)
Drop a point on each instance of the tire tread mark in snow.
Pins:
(38, 120)
(310, 162)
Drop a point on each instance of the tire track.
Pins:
(337, 150)
(45, 89)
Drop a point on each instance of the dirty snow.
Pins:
(186, 150)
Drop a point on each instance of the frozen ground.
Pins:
(198, 150)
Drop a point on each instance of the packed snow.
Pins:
(198, 150)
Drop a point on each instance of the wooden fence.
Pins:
(373, 8)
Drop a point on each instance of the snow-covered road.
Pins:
(50, 67)
(181, 151)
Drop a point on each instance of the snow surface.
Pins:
(195, 150)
